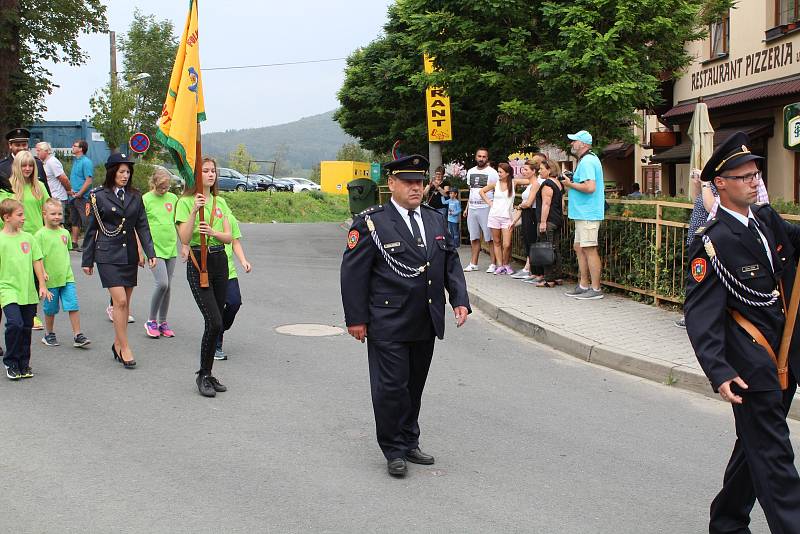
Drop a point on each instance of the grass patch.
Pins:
(263, 207)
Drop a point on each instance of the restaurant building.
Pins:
(746, 72)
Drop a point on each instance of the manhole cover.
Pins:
(309, 330)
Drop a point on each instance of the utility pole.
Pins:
(113, 53)
(434, 155)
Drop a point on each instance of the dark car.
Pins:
(233, 180)
(268, 183)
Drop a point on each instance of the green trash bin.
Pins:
(362, 193)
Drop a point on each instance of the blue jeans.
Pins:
(19, 321)
(454, 233)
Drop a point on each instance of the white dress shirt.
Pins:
(745, 220)
(404, 214)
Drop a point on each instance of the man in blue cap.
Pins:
(395, 269)
(587, 208)
(742, 269)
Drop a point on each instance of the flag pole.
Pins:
(200, 188)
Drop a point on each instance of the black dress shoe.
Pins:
(218, 387)
(397, 467)
(418, 457)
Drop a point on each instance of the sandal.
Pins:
(545, 283)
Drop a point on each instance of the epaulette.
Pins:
(757, 206)
(427, 206)
(708, 224)
(96, 189)
(371, 209)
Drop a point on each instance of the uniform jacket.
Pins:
(120, 249)
(393, 307)
(5, 173)
(723, 348)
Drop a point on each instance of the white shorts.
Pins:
(477, 222)
(586, 233)
(498, 222)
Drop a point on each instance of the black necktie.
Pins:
(121, 195)
(751, 225)
(415, 228)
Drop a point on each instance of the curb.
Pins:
(580, 347)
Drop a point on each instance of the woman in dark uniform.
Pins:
(116, 216)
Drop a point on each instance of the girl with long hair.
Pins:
(28, 190)
(500, 221)
(209, 292)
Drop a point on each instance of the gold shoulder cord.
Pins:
(108, 233)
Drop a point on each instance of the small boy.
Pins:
(55, 243)
(20, 259)
(453, 212)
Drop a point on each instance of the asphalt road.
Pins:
(526, 439)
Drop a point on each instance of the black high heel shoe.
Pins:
(128, 364)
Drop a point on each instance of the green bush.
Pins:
(288, 207)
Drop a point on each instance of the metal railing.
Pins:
(642, 244)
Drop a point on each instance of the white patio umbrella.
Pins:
(702, 135)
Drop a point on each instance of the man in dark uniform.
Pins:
(396, 266)
(17, 141)
(743, 264)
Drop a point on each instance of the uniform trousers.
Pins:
(19, 322)
(761, 466)
(210, 300)
(397, 374)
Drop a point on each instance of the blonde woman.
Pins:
(159, 205)
(28, 190)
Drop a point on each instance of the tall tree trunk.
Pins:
(9, 66)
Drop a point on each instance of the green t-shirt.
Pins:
(17, 254)
(55, 246)
(236, 234)
(160, 211)
(33, 209)
(184, 208)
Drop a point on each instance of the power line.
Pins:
(276, 64)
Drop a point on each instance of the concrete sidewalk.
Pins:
(616, 332)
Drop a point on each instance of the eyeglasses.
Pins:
(748, 178)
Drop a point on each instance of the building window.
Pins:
(787, 11)
(720, 36)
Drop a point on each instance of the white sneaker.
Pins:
(471, 267)
(522, 273)
(491, 269)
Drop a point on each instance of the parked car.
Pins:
(176, 183)
(233, 180)
(268, 183)
(303, 184)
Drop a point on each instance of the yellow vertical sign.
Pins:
(438, 109)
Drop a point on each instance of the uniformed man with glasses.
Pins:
(741, 272)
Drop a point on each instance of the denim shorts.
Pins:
(66, 295)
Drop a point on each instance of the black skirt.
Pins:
(112, 275)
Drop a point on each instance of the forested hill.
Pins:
(301, 144)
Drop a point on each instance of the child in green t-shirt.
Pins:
(55, 243)
(20, 259)
(233, 295)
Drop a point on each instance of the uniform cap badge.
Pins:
(352, 239)
(699, 269)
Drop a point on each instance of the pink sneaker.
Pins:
(110, 312)
(165, 330)
(151, 327)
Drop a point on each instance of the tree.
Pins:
(240, 160)
(149, 47)
(520, 74)
(353, 152)
(113, 114)
(32, 33)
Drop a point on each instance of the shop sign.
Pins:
(791, 127)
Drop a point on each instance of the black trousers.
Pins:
(210, 300)
(761, 467)
(397, 374)
(233, 301)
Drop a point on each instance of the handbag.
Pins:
(542, 254)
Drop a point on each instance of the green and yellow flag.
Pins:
(184, 107)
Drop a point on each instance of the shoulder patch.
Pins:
(699, 269)
(352, 239)
(708, 224)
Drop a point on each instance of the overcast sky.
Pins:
(241, 32)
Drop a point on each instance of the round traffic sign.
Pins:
(139, 142)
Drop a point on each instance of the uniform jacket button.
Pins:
(386, 302)
(429, 282)
(430, 301)
(124, 245)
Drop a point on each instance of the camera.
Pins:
(566, 174)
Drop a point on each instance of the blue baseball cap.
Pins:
(583, 136)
